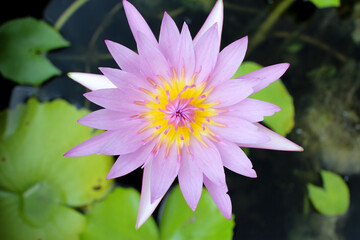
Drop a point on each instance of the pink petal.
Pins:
(122, 79)
(146, 208)
(138, 24)
(253, 110)
(208, 160)
(153, 57)
(124, 57)
(126, 140)
(238, 130)
(266, 75)
(186, 54)
(129, 162)
(206, 53)
(277, 142)
(229, 93)
(229, 61)
(117, 99)
(168, 38)
(219, 194)
(91, 81)
(235, 159)
(190, 180)
(106, 119)
(163, 172)
(216, 16)
(90, 146)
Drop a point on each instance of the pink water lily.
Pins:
(174, 110)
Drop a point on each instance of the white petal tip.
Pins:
(110, 176)
(137, 226)
(252, 174)
(91, 81)
(141, 219)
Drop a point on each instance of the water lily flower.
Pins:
(174, 110)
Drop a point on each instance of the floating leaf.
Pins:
(281, 122)
(334, 198)
(23, 43)
(115, 218)
(179, 222)
(64, 222)
(325, 3)
(38, 184)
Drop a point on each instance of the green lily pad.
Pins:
(325, 3)
(179, 222)
(37, 182)
(281, 122)
(64, 223)
(115, 218)
(23, 44)
(334, 198)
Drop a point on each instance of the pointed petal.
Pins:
(238, 130)
(229, 93)
(266, 75)
(126, 140)
(190, 180)
(153, 57)
(208, 160)
(216, 16)
(91, 81)
(169, 37)
(124, 57)
(206, 53)
(129, 162)
(235, 159)
(123, 79)
(90, 146)
(186, 54)
(277, 142)
(146, 208)
(138, 24)
(253, 110)
(106, 119)
(220, 197)
(163, 172)
(117, 99)
(229, 61)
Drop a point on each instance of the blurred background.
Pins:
(321, 41)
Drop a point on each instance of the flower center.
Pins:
(178, 111)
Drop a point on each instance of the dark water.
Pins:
(323, 47)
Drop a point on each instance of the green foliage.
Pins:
(39, 186)
(23, 43)
(179, 222)
(282, 122)
(115, 218)
(325, 3)
(334, 198)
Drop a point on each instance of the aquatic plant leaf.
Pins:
(37, 182)
(334, 198)
(326, 3)
(64, 222)
(281, 122)
(179, 222)
(23, 44)
(115, 218)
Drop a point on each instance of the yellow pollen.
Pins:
(178, 111)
